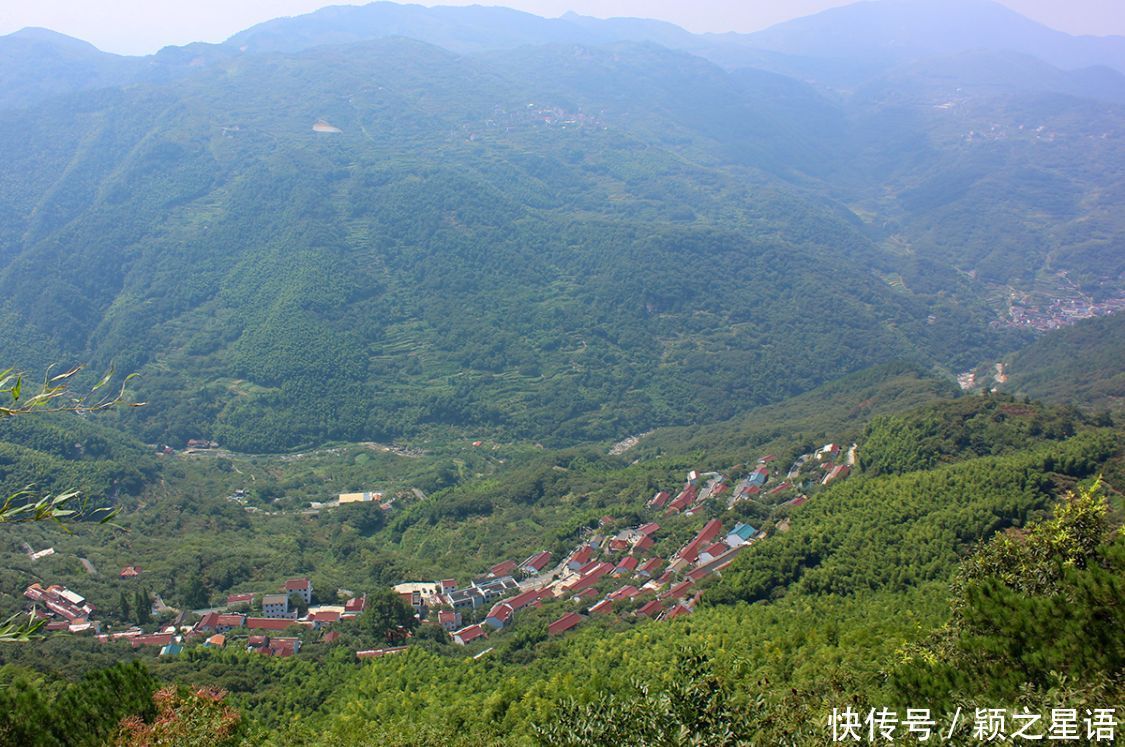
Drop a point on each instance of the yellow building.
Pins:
(360, 497)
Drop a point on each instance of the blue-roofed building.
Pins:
(172, 649)
(740, 535)
(758, 477)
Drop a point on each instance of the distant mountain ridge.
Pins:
(894, 31)
(37, 64)
(838, 47)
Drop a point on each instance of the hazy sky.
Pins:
(143, 26)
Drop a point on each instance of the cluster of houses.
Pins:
(619, 571)
(608, 573)
(277, 617)
(61, 608)
(1059, 312)
(694, 493)
(828, 457)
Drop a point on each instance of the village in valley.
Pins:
(656, 570)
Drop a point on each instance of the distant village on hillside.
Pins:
(613, 570)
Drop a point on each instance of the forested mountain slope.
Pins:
(324, 240)
(1081, 365)
(453, 256)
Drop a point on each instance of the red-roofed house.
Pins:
(536, 563)
(207, 622)
(680, 590)
(717, 564)
(589, 567)
(678, 611)
(300, 586)
(618, 545)
(683, 500)
(779, 487)
(467, 635)
(603, 607)
(628, 564)
(580, 557)
(505, 568)
(355, 605)
(625, 592)
(710, 531)
(649, 567)
(650, 609)
(236, 600)
(699, 573)
(449, 620)
(499, 616)
(589, 579)
(283, 646)
(157, 639)
(220, 623)
(713, 551)
(648, 529)
(566, 622)
(523, 599)
(35, 593)
(322, 618)
(644, 543)
(660, 500)
(839, 471)
(130, 571)
(229, 622)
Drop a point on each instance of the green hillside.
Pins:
(854, 582)
(558, 243)
(452, 257)
(1079, 365)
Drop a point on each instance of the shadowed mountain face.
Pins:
(297, 240)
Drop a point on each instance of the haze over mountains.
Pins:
(567, 228)
(839, 45)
